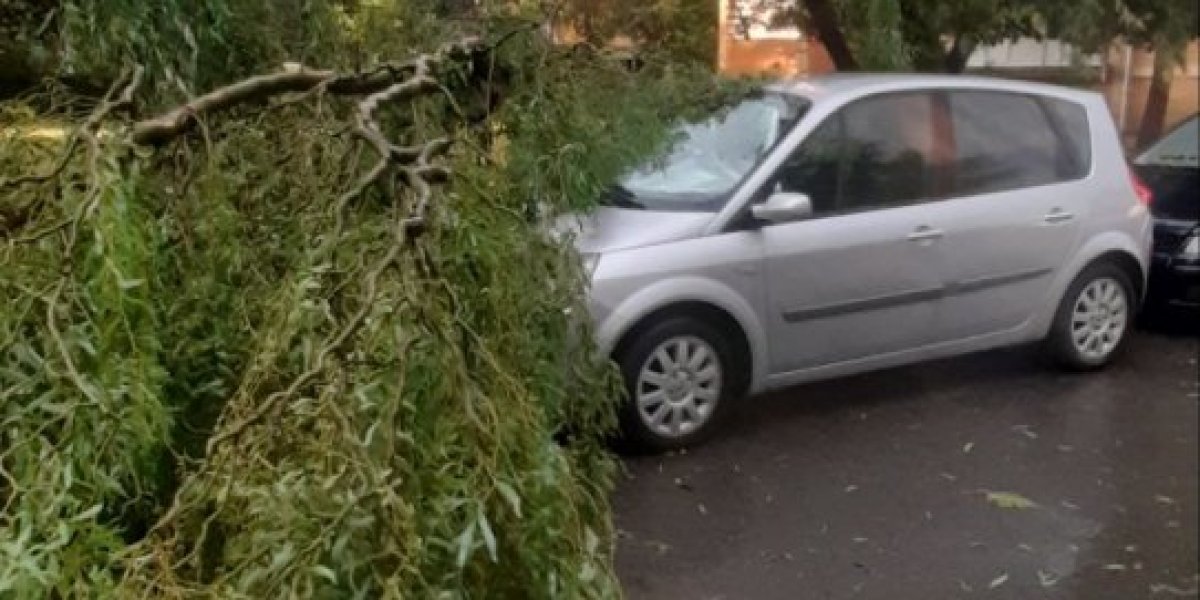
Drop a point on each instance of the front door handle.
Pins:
(926, 233)
(1058, 215)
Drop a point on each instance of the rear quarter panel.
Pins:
(1115, 220)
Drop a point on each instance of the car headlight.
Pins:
(1191, 248)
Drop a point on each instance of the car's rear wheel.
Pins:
(677, 384)
(1093, 318)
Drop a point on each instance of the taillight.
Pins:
(1144, 195)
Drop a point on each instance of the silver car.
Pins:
(856, 222)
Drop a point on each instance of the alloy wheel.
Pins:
(1099, 318)
(678, 386)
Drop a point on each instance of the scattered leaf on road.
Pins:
(1009, 500)
(1114, 567)
(999, 581)
(1164, 499)
(1025, 431)
(851, 488)
(1047, 579)
(967, 447)
(1163, 588)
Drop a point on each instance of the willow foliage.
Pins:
(229, 367)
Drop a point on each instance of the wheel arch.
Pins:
(691, 296)
(708, 313)
(1114, 247)
(1130, 265)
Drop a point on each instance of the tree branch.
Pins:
(299, 78)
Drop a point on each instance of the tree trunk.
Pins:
(1155, 114)
(958, 55)
(825, 20)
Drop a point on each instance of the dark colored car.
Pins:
(1170, 168)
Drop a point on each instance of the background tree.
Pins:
(1162, 26)
(683, 29)
(923, 35)
(941, 36)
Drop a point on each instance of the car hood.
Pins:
(608, 229)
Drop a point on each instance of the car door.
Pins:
(862, 276)
(1016, 213)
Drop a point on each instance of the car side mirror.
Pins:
(781, 207)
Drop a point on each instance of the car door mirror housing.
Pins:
(781, 207)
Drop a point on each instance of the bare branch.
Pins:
(165, 127)
(412, 76)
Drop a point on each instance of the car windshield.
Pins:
(710, 158)
(1180, 148)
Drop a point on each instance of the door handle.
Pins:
(1058, 215)
(926, 233)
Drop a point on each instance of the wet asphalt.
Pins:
(987, 476)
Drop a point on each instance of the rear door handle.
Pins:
(1058, 215)
(926, 233)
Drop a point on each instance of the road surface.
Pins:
(989, 476)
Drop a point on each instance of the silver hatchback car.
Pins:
(856, 222)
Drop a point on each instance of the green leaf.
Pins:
(1010, 500)
(88, 514)
(489, 538)
(466, 543)
(325, 572)
(510, 496)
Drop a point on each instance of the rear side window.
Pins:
(1071, 123)
(1006, 141)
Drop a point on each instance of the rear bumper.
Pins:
(1174, 282)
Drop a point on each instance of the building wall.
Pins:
(1127, 97)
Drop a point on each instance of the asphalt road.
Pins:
(988, 476)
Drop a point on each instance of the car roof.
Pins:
(856, 84)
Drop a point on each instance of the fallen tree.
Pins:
(303, 333)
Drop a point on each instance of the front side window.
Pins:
(709, 159)
(874, 153)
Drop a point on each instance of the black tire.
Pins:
(637, 435)
(1060, 346)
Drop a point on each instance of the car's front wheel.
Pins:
(677, 384)
(1093, 319)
